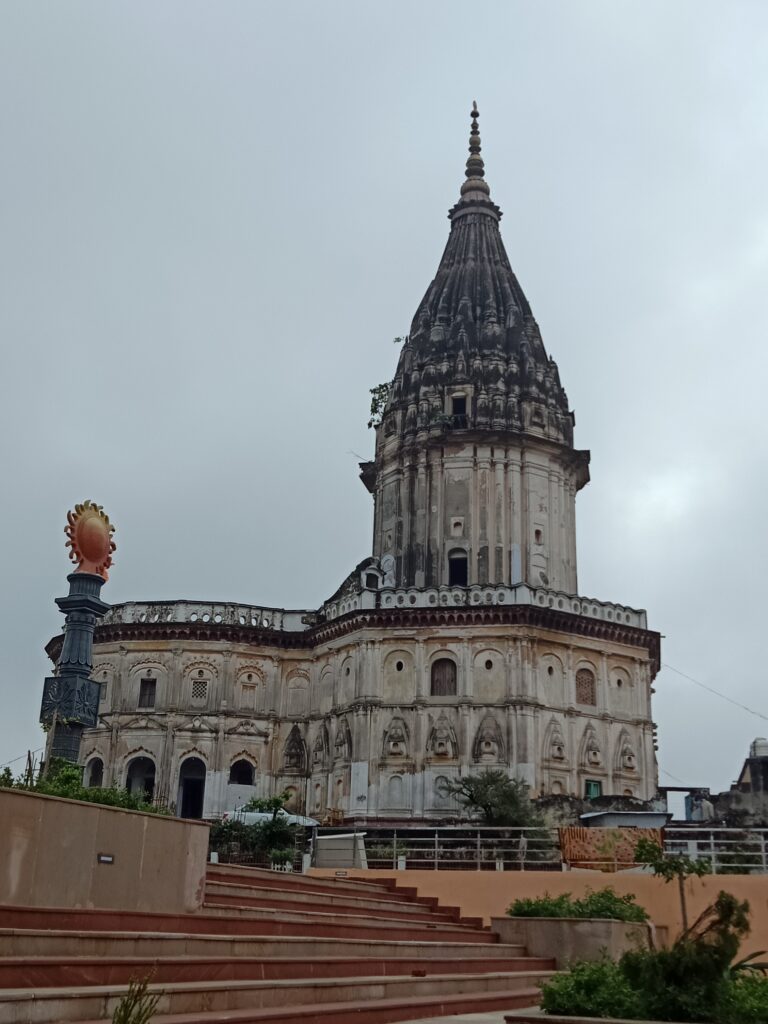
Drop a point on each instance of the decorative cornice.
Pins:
(384, 619)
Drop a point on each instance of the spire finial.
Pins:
(475, 166)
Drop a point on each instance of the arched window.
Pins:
(241, 773)
(443, 681)
(457, 568)
(94, 773)
(585, 687)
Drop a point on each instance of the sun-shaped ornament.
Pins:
(89, 534)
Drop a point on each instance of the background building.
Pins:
(461, 643)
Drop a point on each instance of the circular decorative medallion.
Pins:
(89, 534)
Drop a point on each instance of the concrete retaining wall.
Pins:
(64, 853)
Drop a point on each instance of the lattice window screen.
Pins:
(199, 691)
(585, 687)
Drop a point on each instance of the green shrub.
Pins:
(591, 989)
(65, 779)
(687, 982)
(746, 1001)
(695, 980)
(602, 903)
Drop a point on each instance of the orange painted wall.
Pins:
(487, 894)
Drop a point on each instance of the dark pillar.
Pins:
(71, 698)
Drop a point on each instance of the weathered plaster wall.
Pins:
(510, 508)
(353, 725)
(49, 848)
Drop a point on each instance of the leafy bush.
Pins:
(591, 989)
(695, 980)
(746, 1001)
(602, 903)
(234, 839)
(65, 779)
(686, 982)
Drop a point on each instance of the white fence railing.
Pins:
(465, 848)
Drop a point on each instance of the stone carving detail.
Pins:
(442, 741)
(626, 760)
(592, 757)
(396, 739)
(320, 749)
(294, 753)
(488, 745)
(342, 745)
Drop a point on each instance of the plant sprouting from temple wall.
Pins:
(379, 398)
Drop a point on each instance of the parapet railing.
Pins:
(479, 848)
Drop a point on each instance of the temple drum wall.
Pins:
(372, 725)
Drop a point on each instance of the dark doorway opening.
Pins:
(457, 569)
(191, 788)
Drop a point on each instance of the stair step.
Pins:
(43, 1006)
(235, 921)
(90, 942)
(378, 1011)
(55, 971)
(296, 882)
(230, 894)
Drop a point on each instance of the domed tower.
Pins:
(475, 475)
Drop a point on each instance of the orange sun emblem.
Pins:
(89, 534)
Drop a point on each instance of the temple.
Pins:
(462, 642)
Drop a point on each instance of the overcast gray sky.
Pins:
(215, 217)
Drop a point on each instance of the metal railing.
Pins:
(465, 848)
(727, 851)
(456, 848)
(479, 848)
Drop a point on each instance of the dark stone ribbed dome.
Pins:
(474, 328)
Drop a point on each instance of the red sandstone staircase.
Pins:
(266, 948)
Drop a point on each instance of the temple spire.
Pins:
(475, 187)
(475, 166)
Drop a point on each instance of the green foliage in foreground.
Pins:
(137, 1006)
(65, 779)
(695, 980)
(602, 903)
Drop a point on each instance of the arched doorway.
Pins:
(191, 788)
(140, 779)
(94, 774)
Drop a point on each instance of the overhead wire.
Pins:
(717, 693)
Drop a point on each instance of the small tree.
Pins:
(670, 867)
(499, 799)
(276, 833)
